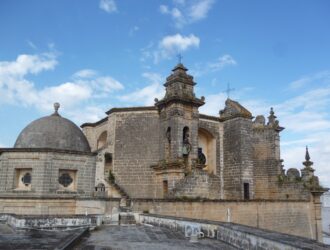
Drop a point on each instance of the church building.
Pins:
(172, 150)
(146, 158)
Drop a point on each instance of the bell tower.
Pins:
(179, 118)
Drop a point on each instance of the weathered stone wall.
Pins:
(267, 169)
(198, 183)
(92, 133)
(136, 149)
(64, 206)
(239, 236)
(96, 206)
(238, 157)
(45, 172)
(213, 127)
(177, 116)
(291, 217)
(37, 206)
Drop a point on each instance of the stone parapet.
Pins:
(240, 236)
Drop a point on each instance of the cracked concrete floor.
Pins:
(143, 238)
(33, 239)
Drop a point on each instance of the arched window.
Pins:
(102, 140)
(207, 150)
(168, 140)
(186, 146)
(185, 134)
(168, 134)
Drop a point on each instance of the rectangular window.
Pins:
(246, 191)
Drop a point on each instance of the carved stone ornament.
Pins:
(26, 179)
(65, 180)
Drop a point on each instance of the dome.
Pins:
(53, 132)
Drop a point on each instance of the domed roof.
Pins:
(53, 132)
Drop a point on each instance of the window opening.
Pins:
(246, 191)
(26, 179)
(165, 188)
(65, 180)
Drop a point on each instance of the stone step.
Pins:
(111, 220)
(126, 219)
(125, 209)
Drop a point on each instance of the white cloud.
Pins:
(133, 30)
(108, 6)
(187, 12)
(172, 45)
(320, 78)
(146, 95)
(28, 64)
(221, 62)
(164, 9)
(69, 94)
(213, 66)
(106, 84)
(153, 77)
(14, 87)
(87, 86)
(178, 42)
(175, 13)
(85, 73)
(87, 113)
(199, 9)
(31, 44)
(213, 104)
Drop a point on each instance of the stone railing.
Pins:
(242, 237)
(51, 222)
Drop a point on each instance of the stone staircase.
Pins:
(125, 201)
(125, 214)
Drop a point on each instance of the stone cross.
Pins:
(228, 90)
(179, 56)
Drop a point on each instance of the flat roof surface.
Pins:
(33, 239)
(143, 237)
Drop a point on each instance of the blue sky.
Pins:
(94, 55)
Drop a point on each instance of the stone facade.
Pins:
(156, 151)
(239, 236)
(291, 217)
(46, 169)
(180, 162)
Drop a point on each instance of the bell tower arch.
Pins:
(179, 117)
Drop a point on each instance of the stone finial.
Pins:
(56, 107)
(307, 173)
(272, 122)
(307, 163)
(307, 157)
(271, 117)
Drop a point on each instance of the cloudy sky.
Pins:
(92, 55)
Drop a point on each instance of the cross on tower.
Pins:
(179, 56)
(228, 90)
